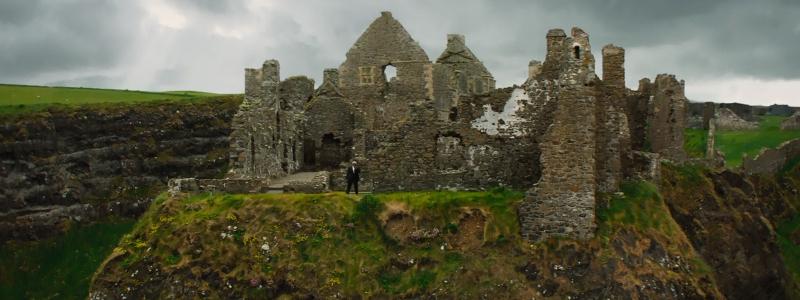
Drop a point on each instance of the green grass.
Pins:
(735, 144)
(695, 142)
(790, 250)
(337, 244)
(57, 268)
(312, 237)
(25, 98)
(639, 206)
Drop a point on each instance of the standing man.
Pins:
(353, 176)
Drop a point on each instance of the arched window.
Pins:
(577, 52)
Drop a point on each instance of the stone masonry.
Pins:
(413, 124)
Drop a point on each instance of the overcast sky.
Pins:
(745, 51)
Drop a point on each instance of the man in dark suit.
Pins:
(353, 176)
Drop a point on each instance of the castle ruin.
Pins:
(564, 134)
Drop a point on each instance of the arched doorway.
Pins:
(332, 151)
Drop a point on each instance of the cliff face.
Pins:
(103, 160)
(731, 220)
(700, 235)
(403, 245)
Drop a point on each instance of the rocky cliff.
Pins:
(701, 234)
(89, 162)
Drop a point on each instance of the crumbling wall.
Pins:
(330, 128)
(614, 66)
(362, 79)
(743, 111)
(726, 119)
(667, 118)
(427, 153)
(457, 74)
(613, 144)
(770, 161)
(568, 59)
(637, 111)
(562, 202)
(266, 131)
(699, 114)
(791, 123)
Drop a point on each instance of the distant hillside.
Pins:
(28, 97)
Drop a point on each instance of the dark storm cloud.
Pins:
(753, 38)
(205, 44)
(61, 36)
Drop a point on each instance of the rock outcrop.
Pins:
(92, 162)
(791, 123)
(726, 119)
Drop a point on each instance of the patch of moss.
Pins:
(640, 206)
(60, 267)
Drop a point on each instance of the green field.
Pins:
(737, 143)
(57, 268)
(695, 142)
(22, 98)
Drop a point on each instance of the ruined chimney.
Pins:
(271, 71)
(253, 90)
(534, 69)
(555, 42)
(614, 66)
(453, 38)
(331, 75)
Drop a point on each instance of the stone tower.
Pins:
(614, 66)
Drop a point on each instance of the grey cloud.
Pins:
(210, 6)
(66, 35)
(694, 39)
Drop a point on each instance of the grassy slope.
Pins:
(737, 143)
(58, 268)
(22, 98)
(331, 244)
(695, 142)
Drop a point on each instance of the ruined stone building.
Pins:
(416, 124)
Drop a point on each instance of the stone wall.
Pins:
(232, 186)
(743, 111)
(266, 138)
(770, 161)
(614, 66)
(699, 114)
(331, 124)
(562, 202)
(667, 118)
(362, 78)
(426, 153)
(726, 119)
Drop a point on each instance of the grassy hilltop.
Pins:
(22, 98)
